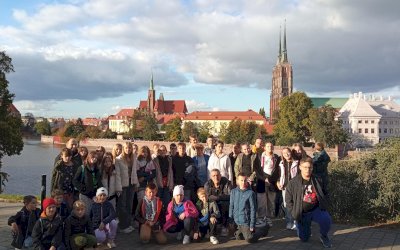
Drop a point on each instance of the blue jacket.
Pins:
(243, 206)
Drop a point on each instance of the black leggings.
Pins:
(185, 225)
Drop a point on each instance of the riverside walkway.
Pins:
(343, 237)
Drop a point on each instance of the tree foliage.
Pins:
(73, 129)
(150, 128)
(204, 131)
(324, 128)
(243, 131)
(262, 112)
(290, 127)
(173, 130)
(189, 128)
(10, 126)
(43, 127)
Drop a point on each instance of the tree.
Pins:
(73, 130)
(324, 128)
(108, 134)
(223, 130)
(43, 127)
(290, 127)
(262, 112)
(10, 125)
(173, 130)
(150, 128)
(189, 128)
(93, 132)
(204, 131)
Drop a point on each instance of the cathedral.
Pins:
(282, 79)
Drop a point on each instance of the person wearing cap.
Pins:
(181, 215)
(103, 218)
(48, 230)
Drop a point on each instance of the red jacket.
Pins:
(171, 220)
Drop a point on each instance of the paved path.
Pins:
(343, 237)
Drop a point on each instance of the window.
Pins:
(385, 130)
(366, 121)
(373, 121)
(380, 131)
(359, 121)
(391, 131)
(372, 131)
(359, 130)
(366, 131)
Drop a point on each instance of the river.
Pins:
(26, 169)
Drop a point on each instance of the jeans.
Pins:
(204, 228)
(124, 207)
(244, 231)
(321, 217)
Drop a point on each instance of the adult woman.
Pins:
(146, 171)
(126, 165)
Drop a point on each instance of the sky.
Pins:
(77, 58)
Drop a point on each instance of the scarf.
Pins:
(150, 209)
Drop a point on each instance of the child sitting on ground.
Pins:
(78, 228)
(62, 206)
(181, 215)
(208, 215)
(47, 232)
(149, 213)
(23, 221)
(242, 210)
(103, 218)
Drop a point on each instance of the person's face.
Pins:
(118, 151)
(258, 143)
(269, 148)
(215, 177)
(73, 145)
(193, 141)
(241, 181)
(173, 150)
(144, 153)
(181, 150)
(59, 199)
(150, 193)
(128, 149)
(31, 205)
(93, 159)
(80, 212)
(306, 169)
(100, 154)
(65, 158)
(162, 151)
(287, 154)
(236, 149)
(246, 149)
(155, 149)
(178, 198)
(199, 151)
(210, 141)
(101, 198)
(219, 148)
(83, 152)
(297, 149)
(51, 211)
(203, 198)
(107, 162)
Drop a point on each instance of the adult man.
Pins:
(185, 172)
(201, 163)
(191, 149)
(76, 159)
(218, 189)
(232, 157)
(307, 200)
(258, 147)
(246, 163)
(221, 161)
(210, 148)
(172, 149)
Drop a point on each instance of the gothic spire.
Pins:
(284, 51)
(280, 47)
(151, 82)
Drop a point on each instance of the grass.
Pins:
(13, 197)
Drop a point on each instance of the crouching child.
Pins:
(103, 218)
(78, 228)
(47, 232)
(208, 215)
(149, 214)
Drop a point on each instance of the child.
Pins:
(209, 213)
(146, 171)
(181, 215)
(150, 214)
(103, 218)
(62, 207)
(110, 179)
(79, 229)
(23, 221)
(47, 232)
(242, 209)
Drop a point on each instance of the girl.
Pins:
(289, 168)
(126, 165)
(298, 152)
(116, 151)
(87, 179)
(63, 175)
(111, 179)
(103, 218)
(146, 171)
(181, 215)
(165, 178)
(78, 230)
(22, 223)
(83, 152)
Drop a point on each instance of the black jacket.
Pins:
(273, 178)
(83, 181)
(221, 194)
(294, 196)
(47, 233)
(25, 220)
(102, 212)
(74, 225)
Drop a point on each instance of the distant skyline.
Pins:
(89, 58)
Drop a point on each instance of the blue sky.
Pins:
(89, 58)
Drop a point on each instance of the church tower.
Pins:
(151, 97)
(282, 79)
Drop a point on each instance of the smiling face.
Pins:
(150, 193)
(269, 148)
(246, 150)
(287, 154)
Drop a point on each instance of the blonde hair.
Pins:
(126, 157)
(114, 150)
(201, 191)
(78, 204)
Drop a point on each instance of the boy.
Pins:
(149, 214)
(242, 210)
(62, 207)
(79, 229)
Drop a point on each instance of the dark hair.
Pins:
(182, 144)
(220, 142)
(306, 159)
(242, 174)
(66, 152)
(56, 192)
(28, 199)
(151, 186)
(172, 145)
(319, 146)
(90, 155)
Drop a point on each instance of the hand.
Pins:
(251, 229)
(196, 236)
(182, 216)
(213, 220)
(52, 248)
(101, 227)
(14, 227)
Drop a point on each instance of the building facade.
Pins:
(282, 79)
(121, 122)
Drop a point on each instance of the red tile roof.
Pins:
(164, 119)
(143, 105)
(167, 107)
(122, 114)
(248, 115)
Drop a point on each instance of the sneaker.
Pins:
(269, 221)
(294, 227)
(213, 240)
(186, 239)
(179, 236)
(224, 232)
(126, 230)
(289, 225)
(111, 244)
(326, 242)
(132, 228)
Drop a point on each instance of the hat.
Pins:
(101, 191)
(48, 202)
(178, 190)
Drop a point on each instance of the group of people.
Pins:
(191, 190)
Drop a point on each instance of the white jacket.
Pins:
(222, 163)
(122, 167)
(115, 182)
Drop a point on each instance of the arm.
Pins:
(89, 226)
(253, 210)
(57, 238)
(118, 182)
(215, 210)
(229, 170)
(77, 181)
(111, 213)
(37, 236)
(289, 199)
(238, 162)
(231, 205)
(191, 210)
(138, 214)
(134, 177)
(225, 196)
(54, 175)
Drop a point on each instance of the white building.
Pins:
(370, 120)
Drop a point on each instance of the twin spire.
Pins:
(282, 56)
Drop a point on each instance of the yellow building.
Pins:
(121, 122)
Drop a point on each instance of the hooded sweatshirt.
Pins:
(223, 163)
